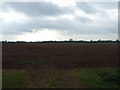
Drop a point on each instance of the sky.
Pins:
(53, 20)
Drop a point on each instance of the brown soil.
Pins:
(59, 55)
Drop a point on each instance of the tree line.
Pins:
(69, 41)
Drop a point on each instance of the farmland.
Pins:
(60, 65)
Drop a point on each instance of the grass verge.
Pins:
(52, 78)
(14, 78)
(99, 77)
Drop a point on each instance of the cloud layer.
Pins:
(69, 21)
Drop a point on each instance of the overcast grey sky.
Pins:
(34, 21)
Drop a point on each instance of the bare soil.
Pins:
(59, 55)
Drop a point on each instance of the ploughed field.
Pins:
(60, 65)
(59, 55)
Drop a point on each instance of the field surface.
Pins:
(16, 55)
(52, 65)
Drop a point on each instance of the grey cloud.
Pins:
(83, 19)
(16, 28)
(92, 7)
(3, 7)
(36, 8)
(81, 25)
(72, 27)
(86, 7)
(105, 5)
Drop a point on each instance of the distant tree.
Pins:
(91, 40)
(5, 40)
(70, 39)
(117, 40)
(99, 40)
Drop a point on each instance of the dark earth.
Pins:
(59, 55)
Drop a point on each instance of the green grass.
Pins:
(61, 79)
(14, 78)
(53, 79)
(99, 77)
(81, 77)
